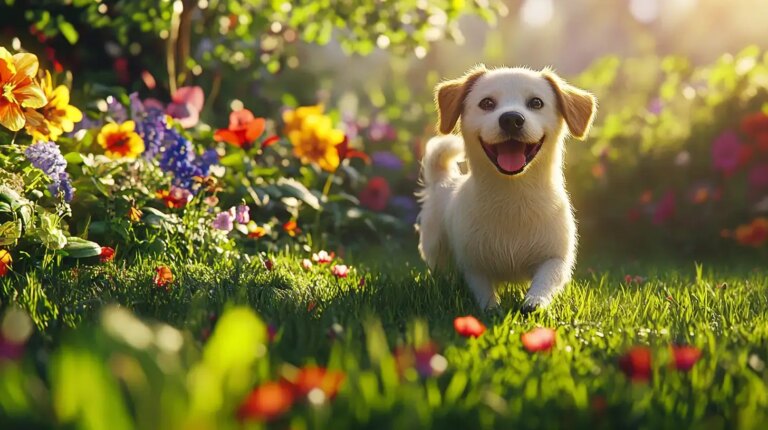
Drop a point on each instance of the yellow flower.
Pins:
(56, 117)
(120, 140)
(18, 89)
(313, 137)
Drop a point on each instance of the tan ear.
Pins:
(450, 95)
(577, 106)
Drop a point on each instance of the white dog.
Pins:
(510, 218)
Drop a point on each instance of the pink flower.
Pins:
(468, 326)
(243, 214)
(538, 339)
(340, 271)
(224, 221)
(323, 257)
(306, 264)
(186, 105)
(727, 152)
(758, 177)
(665, 209)
(375, 196)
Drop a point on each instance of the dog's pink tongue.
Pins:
(511, 156)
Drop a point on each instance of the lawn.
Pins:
(381, 327)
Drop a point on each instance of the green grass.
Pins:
(490, 382)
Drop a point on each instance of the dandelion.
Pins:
(20, 92)
(267, 402)
(163, 276)
(56, 117)
(323, 257)
(538, 340)
(244, 128)
(468, 326)
(340, 271)
(47, 157)
(120, 141)
(5, 262)
(107, 254)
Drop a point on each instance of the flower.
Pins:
(755, 124)
(291, 228)
(107, 254)
(313, 137)
(56, 117)
(5, 262)
(340, 271)
(151, 124)
(306, 264)
(685, 357)
(323, 257)
(424, 359)
(134, 214)
(242, 214)
(186, 104)
(310, 378)
(267, 402)
(163, 276)
(727, 152)
(244, 128)
(665, 209)
(538, 339)
(387, 160)
(120, 141)
(758, 177)
(47, 157)
(256, 231)
(224, 221)
(636, 363)
(179, 158)
(752, 234)
(19, 89)
(468, 326)
(175, 198)
(269, 264)
(375, 195)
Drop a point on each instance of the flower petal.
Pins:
(30, 96)
(26, 65)
(11, 116)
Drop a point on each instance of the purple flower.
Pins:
(406, 206)
(116, 110)
(380, 130)
(47, 157)
(387, 160)
(243, 214)
(655, 106)
(726, 152)
(179, 159)
(223, 221)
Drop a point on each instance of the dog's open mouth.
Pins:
(511, 156)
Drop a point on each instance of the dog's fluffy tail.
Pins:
(440, 158)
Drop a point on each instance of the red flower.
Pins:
(340, 271)
(376, 194)
(344, 152)
(313, 377)
(636, 363)
(323, 257)
(175, 198)
(685, 357)
(271, 332)
(267, 402)
(538, 339)
(291, 228)
(243, 129)
(755, 124)
(5, 262)
(468, 326)
(107, 254)
(269, 264)
(163, 276)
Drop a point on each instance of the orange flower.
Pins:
(538, 339)
(107, 254)
(256, 231)
(5, 262)
(753, 234)
(468, 326)
(56, 117)
(243, 129)
(18, 89)
(266, 402)
(292, 228)
(312, 377)
(755, 124)
(313, 137)
(120, 140)
(163, 276)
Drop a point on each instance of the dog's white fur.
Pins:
(492, 227)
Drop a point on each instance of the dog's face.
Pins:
(511, 116)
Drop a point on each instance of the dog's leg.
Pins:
(483, 290)
(549, 279)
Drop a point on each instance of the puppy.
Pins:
(510, 217)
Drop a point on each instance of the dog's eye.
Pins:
(535, 103)
(487, 104)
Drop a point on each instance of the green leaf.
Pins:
(81, 248)
(68, 31)
(10, 232)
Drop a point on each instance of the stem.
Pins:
(170, 54)
(323, 198)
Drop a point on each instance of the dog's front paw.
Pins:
(532, 304)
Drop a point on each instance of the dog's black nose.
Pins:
(511, 122)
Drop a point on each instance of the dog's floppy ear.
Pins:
(450, 95)
(577, 106)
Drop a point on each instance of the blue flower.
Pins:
(179, 159)
(387, 160)
(151, 125)
(47, 157)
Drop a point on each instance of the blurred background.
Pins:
(677, 162)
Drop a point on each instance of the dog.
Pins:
(509, 218)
